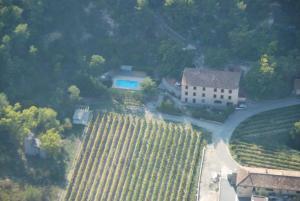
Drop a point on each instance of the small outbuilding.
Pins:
(81, 115)
(297, 86)
(32, 146)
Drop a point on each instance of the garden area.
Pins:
(264, 140)
(126, 157)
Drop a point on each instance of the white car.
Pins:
(241, 106)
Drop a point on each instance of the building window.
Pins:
(218, 102)
(194, 94)
(203, 95)
(203, 88)
(194, 100)
(229, 104)
(215, 96)
(186, 100)
(222, 90)
(186, 93)
(269, 189)
(195, 88)
(222, 96)
(203, 101)
(230, 91)
(186, 87)
(229, 97)
(215, 89)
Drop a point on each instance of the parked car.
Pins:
(241, 106)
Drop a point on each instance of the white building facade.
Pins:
(210, 87)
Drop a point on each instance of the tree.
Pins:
(216, 57)
(96, 60)
(6, 39)
(51, 142)
(169, 2)
(141, 4)
(33, 194)
(148, 86)
(47, 119)
(266, 65)
(74, 93)
(33, 50)
(3, 102)
(67, 124)
(22, 30)
(241, 5)
(295, 135)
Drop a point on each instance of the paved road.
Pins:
(223, 161)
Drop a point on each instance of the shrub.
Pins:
(167, 106)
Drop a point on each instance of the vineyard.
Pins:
(263, 140)
(130, 158)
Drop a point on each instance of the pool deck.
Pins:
(129, 78)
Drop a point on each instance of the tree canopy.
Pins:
(51, 142)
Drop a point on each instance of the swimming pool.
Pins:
(127, 84)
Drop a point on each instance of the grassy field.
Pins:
(129, 158)
(262, 140)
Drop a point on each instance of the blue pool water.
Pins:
(127, 84)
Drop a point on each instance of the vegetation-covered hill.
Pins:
(46, 46)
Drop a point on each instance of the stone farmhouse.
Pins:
(210, 87)
(251, 181)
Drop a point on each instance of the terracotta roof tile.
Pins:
(269, 178)
(210, 78)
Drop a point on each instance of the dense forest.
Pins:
(53, 52)
(46, 46)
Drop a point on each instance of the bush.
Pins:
(167, 106)
(211, 114)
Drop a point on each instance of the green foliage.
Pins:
(19, 122)
(22, 30)
(173, 58)
(167, 106)
(169, 2)
(74, 93)
(216, 57)
(266, 65)
(33, 194)
(295, 135)
(96, 60)
(67, 125)
(51, 142)
(3, 102)
(148, 86)
(141, 3)
(6, 39)
(14, 191)
(33, 50)
(219, 115)
(241, 5)
(266, 81)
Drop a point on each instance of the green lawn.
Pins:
(130, 158)
(263, 140)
